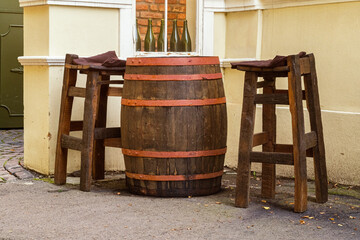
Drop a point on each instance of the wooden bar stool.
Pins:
(95, 135)
(304, 144)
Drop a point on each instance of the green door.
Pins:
(11, 72)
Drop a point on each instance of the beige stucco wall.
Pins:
(36, 31)
(55, 31)
(36, 101)
(332, 33)
(191, 17)
(241, 34)
(220, 32)
(85, 31)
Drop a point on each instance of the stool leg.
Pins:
(313, 104)
(90, 110)
(269, 126)
(64, 122)
(246, 139)
(298, 132)
(99, 152)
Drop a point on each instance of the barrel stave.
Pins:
(174, 128)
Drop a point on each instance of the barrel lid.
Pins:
(172, 61)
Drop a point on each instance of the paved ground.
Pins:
(12, 156)
(37, 209)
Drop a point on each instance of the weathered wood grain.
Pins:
(298, 132)
(169, 129)
(246, 140)
(98, 169)
(272, 158)
(268, 178)
(87, 153)
(70, 142)
(260, 139)
(313, 105)
(92, 144)
(69, 80)
(304, 145)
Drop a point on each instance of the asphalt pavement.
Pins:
(32, 207)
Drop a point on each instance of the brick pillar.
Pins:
(155, 9)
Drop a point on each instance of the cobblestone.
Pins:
(12, 156)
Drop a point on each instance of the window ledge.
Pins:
(78, 3)
(167, 54)
(246, 5)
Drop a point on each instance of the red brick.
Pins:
(151, 15)
(159, 1)
(172, 15)
(162, 8)
(140, 7)
(143, 22)
(182, 2)
(181, 16)
(157, 23)
(142, 30)
(149, 1)
(153, 7)
(178, 9)
(156, 29)
(172, 1)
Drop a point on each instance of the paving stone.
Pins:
(12, 155)
(23, 175)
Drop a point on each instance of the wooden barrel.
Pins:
(173, 125)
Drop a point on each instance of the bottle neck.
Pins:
(162, 26)
(175, 26)
(150, 25)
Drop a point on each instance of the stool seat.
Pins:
(304, 145)
(95, 135)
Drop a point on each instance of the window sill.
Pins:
(163, 54)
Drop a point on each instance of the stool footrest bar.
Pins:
(103, 133)
(77, 92)
(71, 142)
(288, 148)
(270, 157)
(271, 99)
(260, 139)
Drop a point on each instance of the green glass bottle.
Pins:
(160, 41)
(137, 37)
(185, 43)
(149, 44)
(174, 40)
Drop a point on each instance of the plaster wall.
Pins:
(36, 118)
(85, 31)
(219, 39)
(36, 31)
(331, 32)
(241, 34)
(191, 17)
(54, 31)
